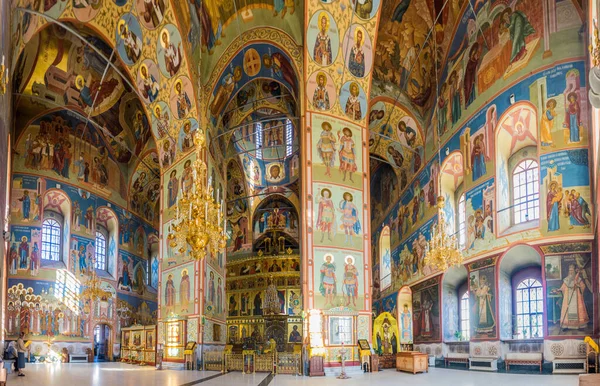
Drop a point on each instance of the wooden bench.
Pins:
(483, 363)
(2, 377)
(524, 359)
(589, 380)
(454, 357)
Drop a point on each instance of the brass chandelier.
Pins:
(442, 248)
(92, 290)
(200, 221)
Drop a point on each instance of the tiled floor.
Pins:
(107, 374)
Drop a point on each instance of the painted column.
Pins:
(5, 121)
(338, 62)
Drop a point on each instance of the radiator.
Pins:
(81, 358)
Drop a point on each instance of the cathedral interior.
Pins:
(301, 187)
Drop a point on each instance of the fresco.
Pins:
(479, 165)
(569, 294)
(214, 304)
(405, 313)
(426, 311)
(480, 211)
(565, 190)
(384, 190)
(338, 146)
(338, 216)
(177, 292)
(339, 279)
(41, 309)
(482, 299)
(385, 334)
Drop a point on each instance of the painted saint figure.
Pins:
(573, 118)
(321, 95)
(35, 260)
(153, 12)
(356, 62)
(350, 217)
(363, 8)
(328, 286)
(23, 253)
(516, 23)
(553, 204)
(478, 158)
(131, 42)
(26, 204)
(406, 324)
(170, 294)
(347, 153)
(573, 313)
(485, 321)
(326, 147)
(427, 317)
(353, 109)
(183, 101)
(547, 124)
(350, 281)
(326, 215)
(173, 187)
(172, 54)
(150, 86)
(184, 291)
(471, 74)
(322, 50)
(455, 98)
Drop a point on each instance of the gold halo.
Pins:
(180, 82)
(78, 79)
(147, 70)
(184, 272)
(326, 126)
(349, 258)
(159, 111)
(322, 74)
(328, 255)
(322, 15)
(120, 24)
(359, 28)
(162, 43)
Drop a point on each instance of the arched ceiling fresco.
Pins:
(59, 70)
(142, 44)
(215, 27)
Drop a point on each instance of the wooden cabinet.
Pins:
(374, 362)
(412, 362)
(316, 366)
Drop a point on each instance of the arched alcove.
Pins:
(518, 263)
(454, 286)
(108, 221)
(517, 140)
(274, 218)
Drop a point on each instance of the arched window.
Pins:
(289, 137)
(385, 257)
(526, 192)
(462, 220)
(100, 262)
(51, 240)
(464, 315)
(530, 309)
(258, 136)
